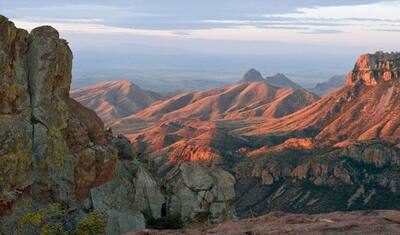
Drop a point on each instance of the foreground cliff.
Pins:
(52, 149)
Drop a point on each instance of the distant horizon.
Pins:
(149, 42)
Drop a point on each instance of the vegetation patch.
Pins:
(54, 220)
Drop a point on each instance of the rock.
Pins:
(196, 177)
(15, 114)
(125, 148)
(356, 177)
(267, 178)
(49, 65)
(121, 221)
(201, 194)
(148, 196)
(372, 69)
(127, 197)
(51, 148)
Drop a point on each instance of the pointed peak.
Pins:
(252, 76)
(280, 80)
(279, 76)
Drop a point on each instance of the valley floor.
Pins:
(385, 222)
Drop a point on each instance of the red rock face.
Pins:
(371, 69)
(185, 152)
(90, 145)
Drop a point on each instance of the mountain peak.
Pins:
(252, 76)
(114, 99)
(280, 80)
(371, 69)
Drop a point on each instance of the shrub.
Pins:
(93, 225)
(52, 220)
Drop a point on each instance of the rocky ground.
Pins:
(361, 222)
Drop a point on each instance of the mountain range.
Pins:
(252, 122)
(294, 161)
(121, 98)
(192, 115)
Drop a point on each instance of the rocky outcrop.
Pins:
(16, 130)
(54, 150)
(360, 176)
(201, 194)
(51, 148)
(125, 199)
(372, 69)
(91, 147)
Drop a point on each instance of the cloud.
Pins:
(322, 31)
(307, 21)
(90, 28)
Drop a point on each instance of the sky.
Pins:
(216, 35)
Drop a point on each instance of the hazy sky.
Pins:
(222, 27)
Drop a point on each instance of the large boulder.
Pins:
(200, 193)
(127, 198)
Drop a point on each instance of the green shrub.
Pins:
(173, 221)
(47, 221)
(93, 225)
(52, 220)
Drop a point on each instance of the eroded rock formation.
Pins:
(52, 149)
(371, 69)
